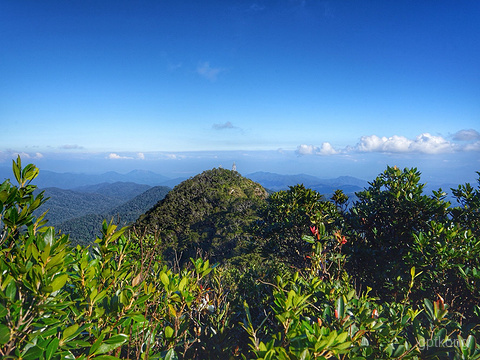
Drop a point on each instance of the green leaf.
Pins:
(34, 353)
(440, 336)
(30, 172)
(398, 350)
(327, 314)
(11, 290)
(308, 238)
(471, 344)
(340, 306)
(96, 344)
(49, 236)
(182, 284)
(342, 337)
(4, 334)
(16, 169)
(171, 355)
(139, 318)
(3, 311)
(164, 278)
(51, 348)
(343, 345)
(68, 332)
(429, 307)
(111, 344)
(59, 282)
(169, 332)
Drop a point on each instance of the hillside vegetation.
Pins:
(122, 191)
(86, 228)
(64, 205)
(294, 275)
(211, 214)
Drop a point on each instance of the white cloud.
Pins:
(173, 67)
(466, 135)
(71, 146)
(227, 125)
(256, 7)
(25, 155)
(327, 149)
(114, 156)
(141, 156)
(374, 143)
(209, 73)
(430, 144)
(424, 143)
(473, 146)
(306, 149)
(175, 156)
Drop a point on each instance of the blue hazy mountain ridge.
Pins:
(268, 180)
(276, 182)
(48, 178)
(123, 191)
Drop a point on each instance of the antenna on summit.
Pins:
(234, 167)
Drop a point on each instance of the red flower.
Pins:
(313, 229)
(344, 240)
(336, 314)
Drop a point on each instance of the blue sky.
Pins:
(321, 87)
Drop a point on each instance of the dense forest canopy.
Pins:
(218, 269)
(212, 212)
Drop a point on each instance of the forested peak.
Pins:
(221, 181)
(211, 211)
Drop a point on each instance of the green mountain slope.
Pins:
(131, 210)
(123, 191)
(67, 204)
(86, 228)
(209, 213)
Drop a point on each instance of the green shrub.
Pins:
(117, 298)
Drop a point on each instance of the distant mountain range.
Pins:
(79, 202)
(80, 211)
(48, 178)
(275, 182)
(123, 191)
(271, 181)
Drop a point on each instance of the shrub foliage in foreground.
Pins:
(117, 300)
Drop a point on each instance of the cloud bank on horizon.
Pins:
(466, 140)
(452, 159)
(463, 140)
